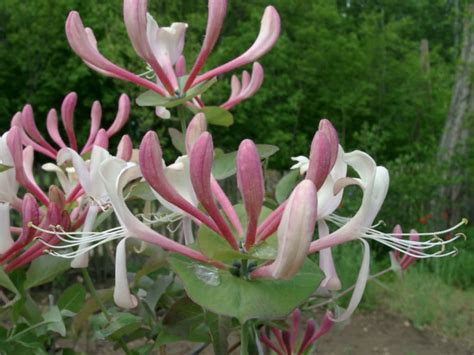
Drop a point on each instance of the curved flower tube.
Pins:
(8, 184)
(122, 296)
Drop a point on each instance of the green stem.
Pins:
(182, 119)
(346, 291)
(244, 339)
(95, 296)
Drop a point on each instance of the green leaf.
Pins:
(5, 168)
(54, 320)
(121, 324)
(218, 116)
(286, 185)
(215, 247)
(184, 321)
(90, 307)
(177, 138)
(157, 290)
(151, 98)
(142, 191)
(224, 164)
(45, 269)
(73, 298)
(222, 293)
(10, 286)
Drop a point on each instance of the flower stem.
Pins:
(346, 291)
(95, 296)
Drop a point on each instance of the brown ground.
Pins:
(384, 334)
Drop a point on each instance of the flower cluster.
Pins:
(92, 179)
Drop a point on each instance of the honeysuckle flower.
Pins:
(31, 136)
(161, 47)
(295, 233)
(290, 342)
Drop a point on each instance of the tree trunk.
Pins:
(453, 153)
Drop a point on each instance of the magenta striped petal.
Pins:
(200, 161)
(269, 33)
(83, 44)
(151, 165)
(215, 20)
(319, 159)
(251, 186)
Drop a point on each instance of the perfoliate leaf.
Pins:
(218, 116)
(233, 296)
(151, 98)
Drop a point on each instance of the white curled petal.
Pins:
(62, 177)
(162, 112)
(178, 175)
(359, 286)
(326, 262)
(122, 295)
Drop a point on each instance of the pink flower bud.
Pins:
(125, 148)
(327, 128)
(251, 186)
(67, 116)
(200, 160)
(122, 116)
(319, 159)
(196, 127)
(102, 139)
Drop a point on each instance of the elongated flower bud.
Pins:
(200, 160)
(319, 159)
(67, 116)
(196, 127)
(328, 129)
(295, 233)
(251, 186)
(125, 148)
(122, 115)
(151, 166)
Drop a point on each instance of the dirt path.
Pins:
(384, 334)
